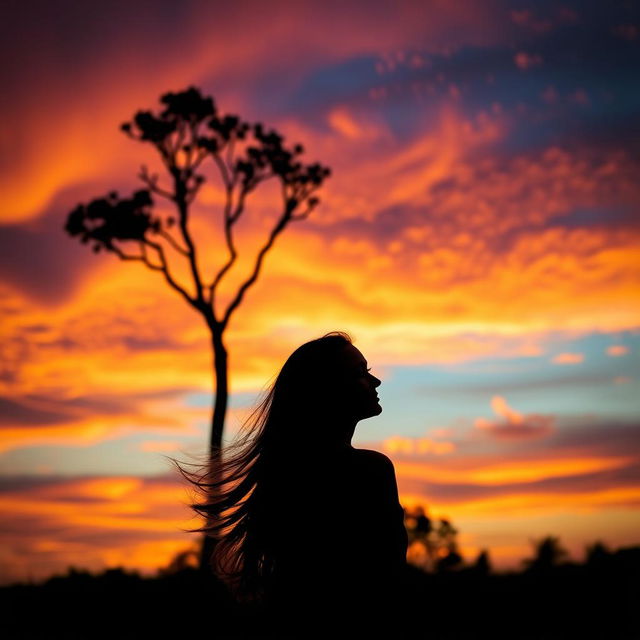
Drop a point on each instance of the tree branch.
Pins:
(145, 257)
(179, 138)
(246, 190)
(123, 256)
(169, 278)
(182, 204)
(311, 203)
(230, 147)
(193, 129)
(163, 267)
(202, 154)
(282, 223)
(228, 264)
(152, 182)
(165, 234)
(223, 170)
(165, 155)
(230, 219)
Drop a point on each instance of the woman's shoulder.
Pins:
(374, 458)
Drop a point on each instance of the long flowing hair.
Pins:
(242, 489)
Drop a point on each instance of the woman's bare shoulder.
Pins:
(374, 457)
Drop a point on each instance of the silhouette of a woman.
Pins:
(308, 526)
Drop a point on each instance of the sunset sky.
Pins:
(479, 239)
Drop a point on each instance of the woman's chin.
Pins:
(375, 410)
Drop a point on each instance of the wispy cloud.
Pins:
(617, 350)
(514, 425)
(568, 358)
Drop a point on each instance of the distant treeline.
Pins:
(548, 599)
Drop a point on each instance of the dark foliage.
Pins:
(105, 220)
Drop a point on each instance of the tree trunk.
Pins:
(221, 393)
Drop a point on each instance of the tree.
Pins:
(189, 134)
(450, 557)
(431, 547)
(181, 561)
(482, 565)
(548, 554)
(597, 554)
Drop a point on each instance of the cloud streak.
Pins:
(514, 425)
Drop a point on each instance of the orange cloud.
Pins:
(568, 358)
(343, 122)
(515, 425)
(617, 350)
(491, 473)
(512, 472)
(520, 504)
(98, 522)
(399, 444)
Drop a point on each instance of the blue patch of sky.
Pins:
(339, 82)
(111, 458)
(321, 88)
(236, 400)
(593, 216)
(574, 57)
(416, 399)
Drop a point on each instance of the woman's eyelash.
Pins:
(369, 369)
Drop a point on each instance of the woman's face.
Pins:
(359, 399)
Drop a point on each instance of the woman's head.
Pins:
(325, 379)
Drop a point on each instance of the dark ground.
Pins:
(571, 601)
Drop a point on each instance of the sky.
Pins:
(478, 239)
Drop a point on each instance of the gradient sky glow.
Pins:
(479, 239)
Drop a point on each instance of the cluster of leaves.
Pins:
(104, 220)
(190, 127)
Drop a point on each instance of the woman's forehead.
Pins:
(354, 356)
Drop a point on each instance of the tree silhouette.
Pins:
(482, 565)
(181, 561)
(189, 134)
(449, 555)
(597, 554)
(431, 547)
(548, 554)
